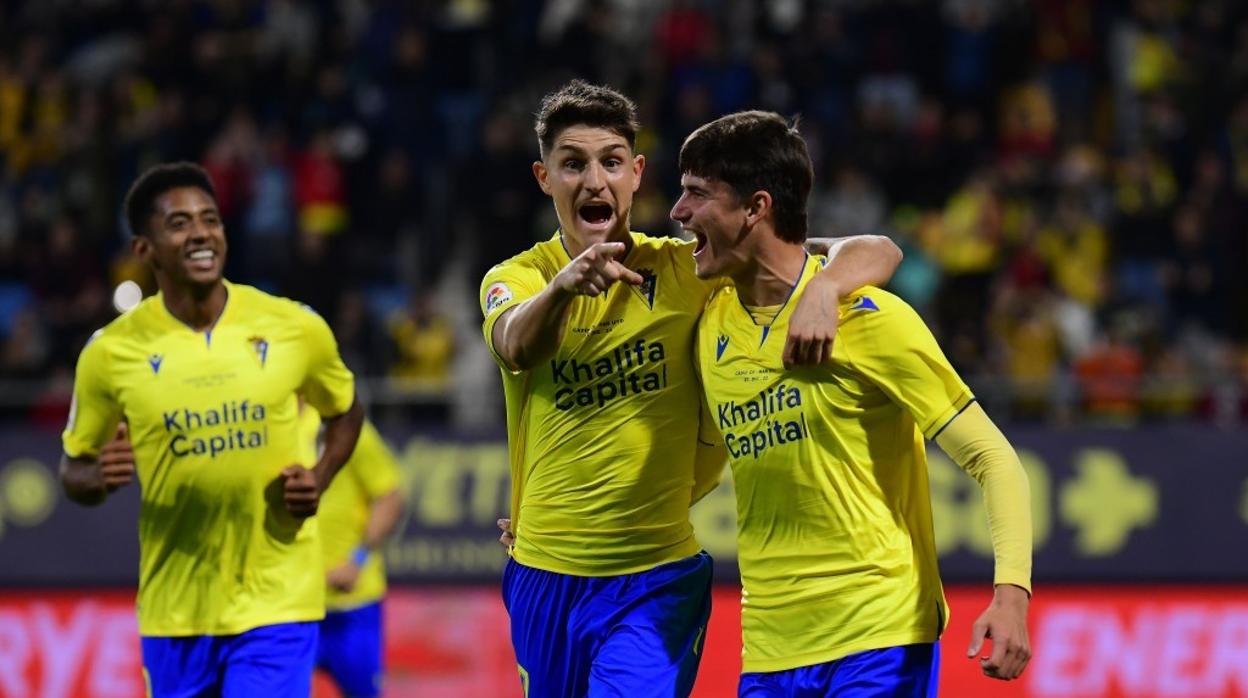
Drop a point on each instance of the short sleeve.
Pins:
(374, 463)
(505, 286)
(887, 341)
(328, 384)
(94, 410)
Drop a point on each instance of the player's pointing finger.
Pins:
(609, 250)
(622, 273)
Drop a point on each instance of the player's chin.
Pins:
(204, 277)
(704, 266)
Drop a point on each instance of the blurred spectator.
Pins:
(423, 341)
(1075, 248)
(1068, 179)
(1109, 377)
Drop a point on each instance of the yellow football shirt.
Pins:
(213, 419)
(602, 436)
(835, 538)
(346, 507)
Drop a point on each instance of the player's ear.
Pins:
(541, 173)
(639, 166)
(141, 246)
(757, 206)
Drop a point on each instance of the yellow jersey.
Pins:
(346, 507)
(603, 435)
(835, 539)
(213, 420)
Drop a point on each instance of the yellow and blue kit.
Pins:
(213, 420)
(603, 439)
(835, 542)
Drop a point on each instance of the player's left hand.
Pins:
(813, 324)
(1005, 623)
(343, 577)
(300, 491)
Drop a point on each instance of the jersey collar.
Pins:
(169, 320)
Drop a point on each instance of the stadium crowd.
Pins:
(1067, 178)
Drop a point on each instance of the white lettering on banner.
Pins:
(61, 648)
(1156, 652)
(112, 672)
(1230, 646)
(43, 657)
(1184, 640)
(14, 654)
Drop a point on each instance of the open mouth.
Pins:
(202, 259)
(700, 242)
(595, 214)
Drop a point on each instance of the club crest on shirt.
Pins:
(155, 360)
(497, 294)
(260, 345)
(649, 282)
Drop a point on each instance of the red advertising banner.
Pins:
(1088, 642)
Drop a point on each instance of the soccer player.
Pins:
(205, 376)
(607, 590)
(841, 592)
(355, 517)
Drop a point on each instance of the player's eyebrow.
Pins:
(191, 213)
(573, 149)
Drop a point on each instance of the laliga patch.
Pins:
(497, 294)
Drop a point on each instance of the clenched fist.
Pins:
(300, 491)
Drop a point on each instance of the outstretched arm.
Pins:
(853, 262)
(979, 448)
(529, 333)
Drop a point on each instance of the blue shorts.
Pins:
(350, 650)
(910, 671)
(631, 635)
(274, 661)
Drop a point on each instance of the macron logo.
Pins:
(864, 303)
(154, 361)
(720, 345)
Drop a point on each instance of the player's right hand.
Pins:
(508, 538)
(594, 270)
(117, 459)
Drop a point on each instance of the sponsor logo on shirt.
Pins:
(497, 294)
(762, 421)
(234, 425)
(630, 369)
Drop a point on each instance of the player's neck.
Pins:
(575, 246)
(770, 279)
(196, 307)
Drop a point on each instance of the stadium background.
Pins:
(1068, 179)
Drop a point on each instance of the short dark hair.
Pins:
(141, 199)
(756, 151)
(579, 103)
